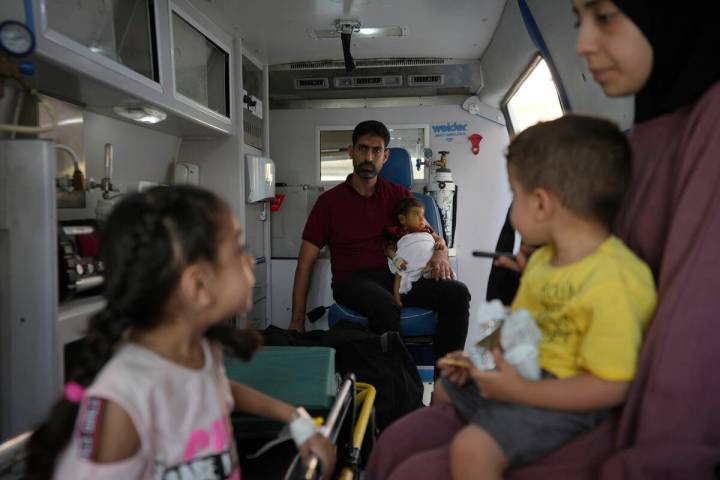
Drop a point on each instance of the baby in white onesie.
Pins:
(413, 242)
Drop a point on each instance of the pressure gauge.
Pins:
(16, 39)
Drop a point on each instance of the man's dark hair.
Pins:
(371, 127)
(584, 161)
(404, 205)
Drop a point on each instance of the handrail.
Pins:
(368, 393)
(13, 450)
(366, 399)
(330, 429)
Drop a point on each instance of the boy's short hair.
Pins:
(404, 205)
(371, 127)
(583, 160)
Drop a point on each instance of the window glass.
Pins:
(535, 99)
(412, 140)
(201, 67)
(122, 30)
(336, 164)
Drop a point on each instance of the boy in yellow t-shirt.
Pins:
(591, 297)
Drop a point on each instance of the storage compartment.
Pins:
(121, 30)
(253, 87)
(289, 221)
(201, 66)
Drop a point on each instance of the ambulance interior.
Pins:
(256, 101)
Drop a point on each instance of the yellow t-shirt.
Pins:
(592, 313)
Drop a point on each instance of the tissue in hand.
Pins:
(490, 316)
(520, 339)
(517, 335)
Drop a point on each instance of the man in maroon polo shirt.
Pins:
(350, 218)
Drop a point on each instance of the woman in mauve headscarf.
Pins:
(666, 53)
(670, 426)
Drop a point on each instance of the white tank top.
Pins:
(180, 415)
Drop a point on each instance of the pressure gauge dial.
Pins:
(16, 39)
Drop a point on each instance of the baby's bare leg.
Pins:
(396, 289)
(475, 454)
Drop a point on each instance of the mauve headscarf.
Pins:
(670, 424)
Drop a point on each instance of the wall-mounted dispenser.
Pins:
(261, 178)
(186, 173)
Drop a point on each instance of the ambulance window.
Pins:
(414, 140)
(533, 98)
(336, 164)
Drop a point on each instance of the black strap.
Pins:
(349, 62)
(384, 342)
(454, 219)
(442, 221)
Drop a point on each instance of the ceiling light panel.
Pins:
(364, 32)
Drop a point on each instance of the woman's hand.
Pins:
(455, 366)
(323, 448)
(503, 384)
(520, 261)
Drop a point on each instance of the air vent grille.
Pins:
(311, 83)
(426, 80)
(253, 130)
(316, 65)
(399, 62)
(368, 81)
(367, 63)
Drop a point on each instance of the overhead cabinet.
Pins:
(122, 31)
(165, 53)
(201, 65)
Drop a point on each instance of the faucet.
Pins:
(106, 183)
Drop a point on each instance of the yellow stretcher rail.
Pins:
(364, 399)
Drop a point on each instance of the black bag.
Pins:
(380, 360)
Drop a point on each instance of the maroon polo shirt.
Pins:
(352, 225)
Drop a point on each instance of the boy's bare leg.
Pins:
(439, 395)
(475, 454)
(396, 289)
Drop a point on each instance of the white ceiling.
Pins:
(276, 31)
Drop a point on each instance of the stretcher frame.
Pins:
(346, 427)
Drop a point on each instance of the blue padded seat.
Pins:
(398, 169)
(414, 322)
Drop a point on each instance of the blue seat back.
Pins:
(398, 169)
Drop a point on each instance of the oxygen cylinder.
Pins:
(443, 189)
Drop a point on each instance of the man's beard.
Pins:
(366, 170)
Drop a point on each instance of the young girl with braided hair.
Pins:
(151, 399)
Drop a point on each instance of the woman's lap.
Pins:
(415, 443)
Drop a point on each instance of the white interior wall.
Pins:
(484, 194)
(508, 54)
(139, 153)
(12, 10)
